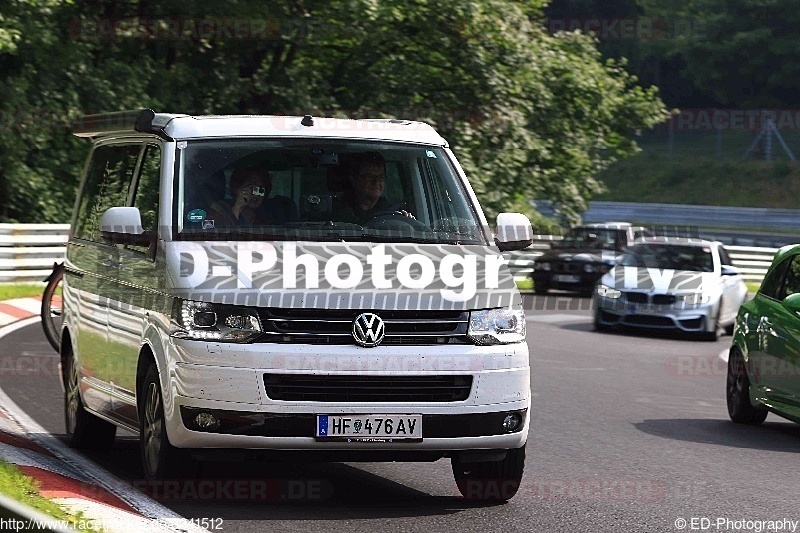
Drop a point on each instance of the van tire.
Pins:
(84, 430)
(490, 481)
(160, 459)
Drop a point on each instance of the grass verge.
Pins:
(525, 284)
(654, 178)
(20, 290)
(753, 286)
(24, 489)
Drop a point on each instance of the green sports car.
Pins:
(764, 360)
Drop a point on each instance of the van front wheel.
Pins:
(160, 459)
(490, 481)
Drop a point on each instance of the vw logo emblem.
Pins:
(368, 330)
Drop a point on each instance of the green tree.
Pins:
(530, 115)
(35, 105)
(741, 52)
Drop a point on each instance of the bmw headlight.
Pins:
(604, 291)
(694, 298)
(497, 326)
(208, 321)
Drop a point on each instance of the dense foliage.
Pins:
(531, 115)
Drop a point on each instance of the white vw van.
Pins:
(294, 287)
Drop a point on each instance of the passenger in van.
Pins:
(363, 200)
(249, 188)
(251, 205)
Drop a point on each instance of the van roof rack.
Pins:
(142, 120)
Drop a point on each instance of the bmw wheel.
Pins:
(715, 333)
(599, 326)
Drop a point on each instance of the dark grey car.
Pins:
(580, 259)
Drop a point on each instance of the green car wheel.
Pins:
(740, 409)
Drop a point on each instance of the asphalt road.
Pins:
(629, 433)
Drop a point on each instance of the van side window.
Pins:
(107, 184)
(145, 197)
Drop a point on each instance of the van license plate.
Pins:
(369, 428)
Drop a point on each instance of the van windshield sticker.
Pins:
(196, 215)
(430, 153)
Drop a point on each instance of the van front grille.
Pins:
(318, 326)
(315, 388)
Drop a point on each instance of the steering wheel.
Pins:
(394, 219)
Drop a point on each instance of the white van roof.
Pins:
(175, 126)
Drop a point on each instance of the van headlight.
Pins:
(219, 322)
(497, 326)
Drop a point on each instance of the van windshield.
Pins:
(318, 190)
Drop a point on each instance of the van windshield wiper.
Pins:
(425, 238)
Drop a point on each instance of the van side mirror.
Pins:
(514, 232)
(123, 225)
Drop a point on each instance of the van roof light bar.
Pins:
(142, 120)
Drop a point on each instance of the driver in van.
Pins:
(364, 199)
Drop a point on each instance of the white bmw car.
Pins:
(686, 285)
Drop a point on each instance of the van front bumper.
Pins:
(249, 418)
(280, 431)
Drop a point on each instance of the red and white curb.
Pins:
(21, 308)
(73, 481)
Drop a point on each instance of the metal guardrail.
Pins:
(752, 261)
(771, 225)
(28, 251)
(702, 216)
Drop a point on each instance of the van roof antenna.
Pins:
(308, 120)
